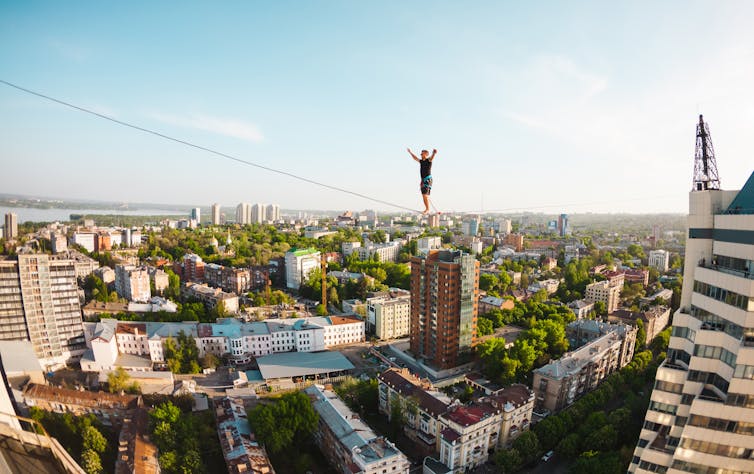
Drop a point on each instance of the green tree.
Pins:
(527, 446)
(119, 380)
(484, 327)
(93, 440)
(487, 282)
(277, 425)
(641, 335)
(570, 446)
(91, 462)
(508, 461)
(173, 291)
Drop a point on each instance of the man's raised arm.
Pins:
(412, 154)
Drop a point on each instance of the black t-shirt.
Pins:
(425, 167)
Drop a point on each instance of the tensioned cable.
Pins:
(249, 163)
(203, 148)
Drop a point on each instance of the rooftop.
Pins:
(18, 357)
(81, 397)
(353, 433)
(299, 364)
(572, 362)
(409, 386)
(743, 203)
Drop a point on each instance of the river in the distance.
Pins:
(26, 214)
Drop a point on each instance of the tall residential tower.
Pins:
(701, 414)
(444, 294)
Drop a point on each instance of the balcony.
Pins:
(743, 273)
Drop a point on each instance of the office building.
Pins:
(11, 226)
(299, 263)
(39, 302)
(216, 214)
(196, 215)
(659, 259)
(444, 295)
(562, 225)
(243, 213)
(701, 411)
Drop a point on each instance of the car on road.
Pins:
(548, 455)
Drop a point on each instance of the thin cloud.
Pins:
(69, 51)
(222, 126)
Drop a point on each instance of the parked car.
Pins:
(548, 455)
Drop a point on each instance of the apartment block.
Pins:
(349, 443)
(132, 283)
(212, 296)
(241, 450)
(603, 291)
(659, 259)
(10, 231)
(444, 295)
(243, 213)
(234, 280)
(655, 319)
(298, 264)
(390, 315)
(462, 435)
(559, 383)
(39, 302)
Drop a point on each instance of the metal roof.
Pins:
(298, 364)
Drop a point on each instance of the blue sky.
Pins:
(552, 106)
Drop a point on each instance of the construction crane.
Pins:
(324, 281)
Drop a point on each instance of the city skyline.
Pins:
(543, 108)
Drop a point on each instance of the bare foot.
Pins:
(425, 212)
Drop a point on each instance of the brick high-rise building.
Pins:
(444, 294)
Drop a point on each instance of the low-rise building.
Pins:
(559, 383)
(665, 295)
(581, 308)
(110, 408)
(462, 435)
(212, 296)
(390, 315)
(109, 339)
(425, 244)
(242, 452)
(637, 276)
(136, 452)
(550, 286)
(349, 443)
(488, 303)
(655, 319)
